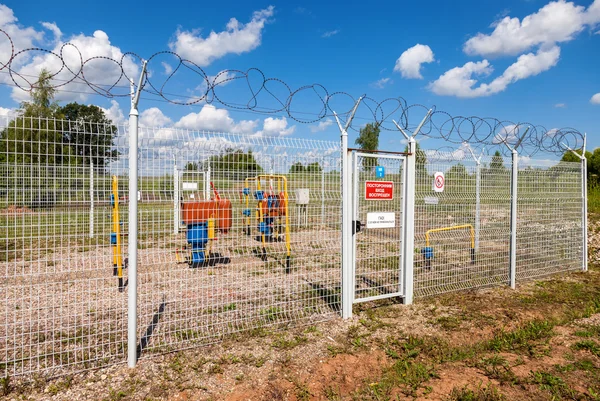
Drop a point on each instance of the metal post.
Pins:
(477, 204)
(409, 221)
(513, 219)
(133, 226)
(323, 193)
(176, 211)
(347, 279)
(91, 199)
(585, 212)
(207, 183)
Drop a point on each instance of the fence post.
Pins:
(347, 279)
(207, 179)
(175, 200)
(91, 199)
(477, 204)
(585, 211)
(323, 193)
(133, 226)
(513, 219)
(409, 221)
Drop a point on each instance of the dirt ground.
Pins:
(540, 342)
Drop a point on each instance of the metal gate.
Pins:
(377, 227)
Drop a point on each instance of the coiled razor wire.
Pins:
(267, 95)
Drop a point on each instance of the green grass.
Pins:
(487, 393)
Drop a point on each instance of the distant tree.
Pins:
(497, 163)
(297, 168)
(314, 167)
(32, 138)
(234, 163)
(368, 139)
(456, 177)
(190, 166)
(89, 134)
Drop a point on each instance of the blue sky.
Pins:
(521, 60)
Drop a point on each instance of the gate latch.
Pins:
(356, 226)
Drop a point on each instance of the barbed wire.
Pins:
(269, 95)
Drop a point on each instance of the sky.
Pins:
(518, 60)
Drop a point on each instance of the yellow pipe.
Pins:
(259, 212)
(433, 230)
(117, 255)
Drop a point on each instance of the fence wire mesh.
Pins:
(378, 245)
(274, 258)
(549, 226)
(461, 234)
(238, 232)
(60, 303)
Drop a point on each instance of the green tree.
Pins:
(314, 167)
(368, 139)
(457, 178)
(33, 138)
(234, 164)
(89, 134)
(497, 163)
(297, 168)
(190, 166)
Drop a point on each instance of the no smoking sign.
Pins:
(439, 182)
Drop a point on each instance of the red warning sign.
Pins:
(379, 190)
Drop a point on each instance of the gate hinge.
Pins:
(356, 226)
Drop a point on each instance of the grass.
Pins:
(481, 393)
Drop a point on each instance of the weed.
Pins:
(555, 385)
(589, 345)
(271, 314)
(487, 393)
(496, 367)
(302, 391)
(522, 338)
(282, 342)
(5, 386)
(332, 394)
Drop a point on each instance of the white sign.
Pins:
(381, 220)
(439, 182)
(431, 200)
(190, 186)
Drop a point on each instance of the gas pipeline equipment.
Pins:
(115, 235)
(427, 251)
(271, 211)
(203, 218)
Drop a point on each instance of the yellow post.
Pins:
(116, 233)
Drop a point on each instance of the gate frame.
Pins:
(355, 203)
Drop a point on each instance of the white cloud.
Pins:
(275, 127)
(560, 105)
(556, 22)
(114, 113)
(322, 126)
(460, 81)
(51, 26)
(154, 117)
(329, 34)
(7, 112)
(167, 67)
(595, 99)
(382, 83)
(409, 63)
(100, 72)
(211, 118)
(23, 37)
(237, 38)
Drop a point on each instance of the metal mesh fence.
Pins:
(549, 226)
(264, 249)
(240, 232)
(461, 234)
(379, 206)
(60, 303)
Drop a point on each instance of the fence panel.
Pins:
(549, 222)
(61, 309)
(241, 279)
(453, 249)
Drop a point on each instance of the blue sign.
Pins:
(379, 172)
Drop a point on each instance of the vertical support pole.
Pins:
(409, 221)
(477, 204)
(585, 211)
(323, 193)
(91, 199)
(133, 226)
(513, 220)
(207, 183)
(176, 211)
(347, 290)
